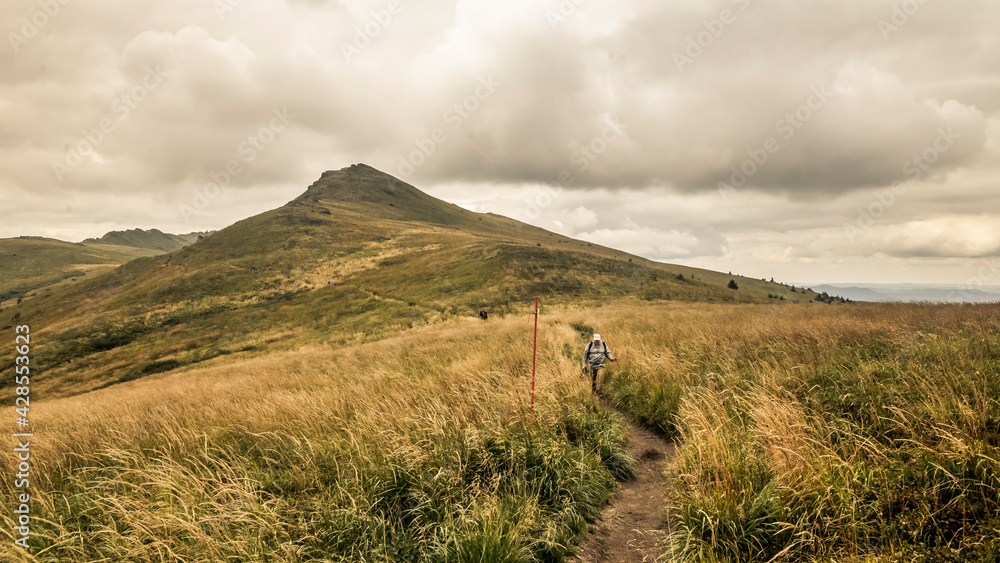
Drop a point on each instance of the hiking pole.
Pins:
(534, 356)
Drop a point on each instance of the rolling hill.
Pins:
(34, 263)
(359, 256)
(154, 239)
(31, 263)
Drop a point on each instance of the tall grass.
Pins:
(418, 448)
(819, 433)
(862, 433)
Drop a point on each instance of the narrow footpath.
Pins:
(632, 527)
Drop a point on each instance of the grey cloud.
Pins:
(686, 129)
(560, 87)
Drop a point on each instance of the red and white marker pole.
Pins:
(534, 356)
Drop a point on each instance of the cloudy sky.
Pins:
(811, 141)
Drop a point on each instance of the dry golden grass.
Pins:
(868, 432)
(862, 433)
(227, 462)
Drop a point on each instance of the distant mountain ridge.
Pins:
(909, 292)
(153, 239)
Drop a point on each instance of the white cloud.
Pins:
(656, 244)
(963, 237)
(577, 220)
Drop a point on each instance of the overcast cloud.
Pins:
(826, 140)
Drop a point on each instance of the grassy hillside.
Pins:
(359, 256)
(863, 433)
(30, 263)
(415, 448)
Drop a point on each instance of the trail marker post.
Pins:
(534, 356)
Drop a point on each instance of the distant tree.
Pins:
(733, 284)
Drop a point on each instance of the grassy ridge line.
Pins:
(868, 433)
(409, 449)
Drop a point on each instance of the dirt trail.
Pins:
(632, 528)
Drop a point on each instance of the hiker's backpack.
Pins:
(586, 351)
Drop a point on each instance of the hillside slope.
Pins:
(357, 257)
(30, 263)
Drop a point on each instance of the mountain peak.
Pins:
(356, 170)
(357, 182)
(373, 192)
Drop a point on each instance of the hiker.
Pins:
(593, 360)
(483, 314)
